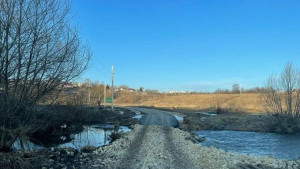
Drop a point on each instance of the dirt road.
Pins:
(162, 146)
(156, 117)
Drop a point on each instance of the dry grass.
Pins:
(14, 161)
(250, 103)
(237, 122)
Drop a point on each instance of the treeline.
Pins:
(92, 93)
(242, 90)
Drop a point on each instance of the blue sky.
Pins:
(192, 45)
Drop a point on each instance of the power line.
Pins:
(102, 73)
(95, 66)
(101, 64)
(105, 71)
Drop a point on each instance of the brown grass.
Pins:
(250, 103)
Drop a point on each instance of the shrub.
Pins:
(285, 124)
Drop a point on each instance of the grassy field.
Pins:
(242, 103)
(241, 112)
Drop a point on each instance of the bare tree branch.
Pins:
(39, 52)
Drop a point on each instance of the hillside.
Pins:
(234, 102)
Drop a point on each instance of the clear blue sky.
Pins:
(194, 45)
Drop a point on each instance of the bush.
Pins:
(220, 110)
(285, 124)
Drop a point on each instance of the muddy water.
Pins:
(96, 135)
(269, 144)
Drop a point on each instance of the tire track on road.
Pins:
(180, 160)
(130, 158)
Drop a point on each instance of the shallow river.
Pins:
(276, 145)
(96, 135)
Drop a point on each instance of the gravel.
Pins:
(167, 147)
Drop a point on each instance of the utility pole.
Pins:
(104, 102)
(89, 97)
(99, 97)
(112, 87)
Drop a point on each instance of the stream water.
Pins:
(269, 144)
(96, 135)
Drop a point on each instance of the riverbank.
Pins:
(230, 121)
(52, 126)
(163, 147)
(226, 119)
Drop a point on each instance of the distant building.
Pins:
(177, 92)
(131, 90)
(122, 89)
(69, 85)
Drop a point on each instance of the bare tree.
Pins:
(235, 88)
(39, 52)
(282, 94)
(281, 98)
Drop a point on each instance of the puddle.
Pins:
(207, 114)
(179, 118)
(263, 144)
(138, 115)
(95, 135)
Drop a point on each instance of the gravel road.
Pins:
(157, 117)
(162, 146)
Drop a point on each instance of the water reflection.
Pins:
(179, 118)
(96, 135)
(271, 144)
(138, 115)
